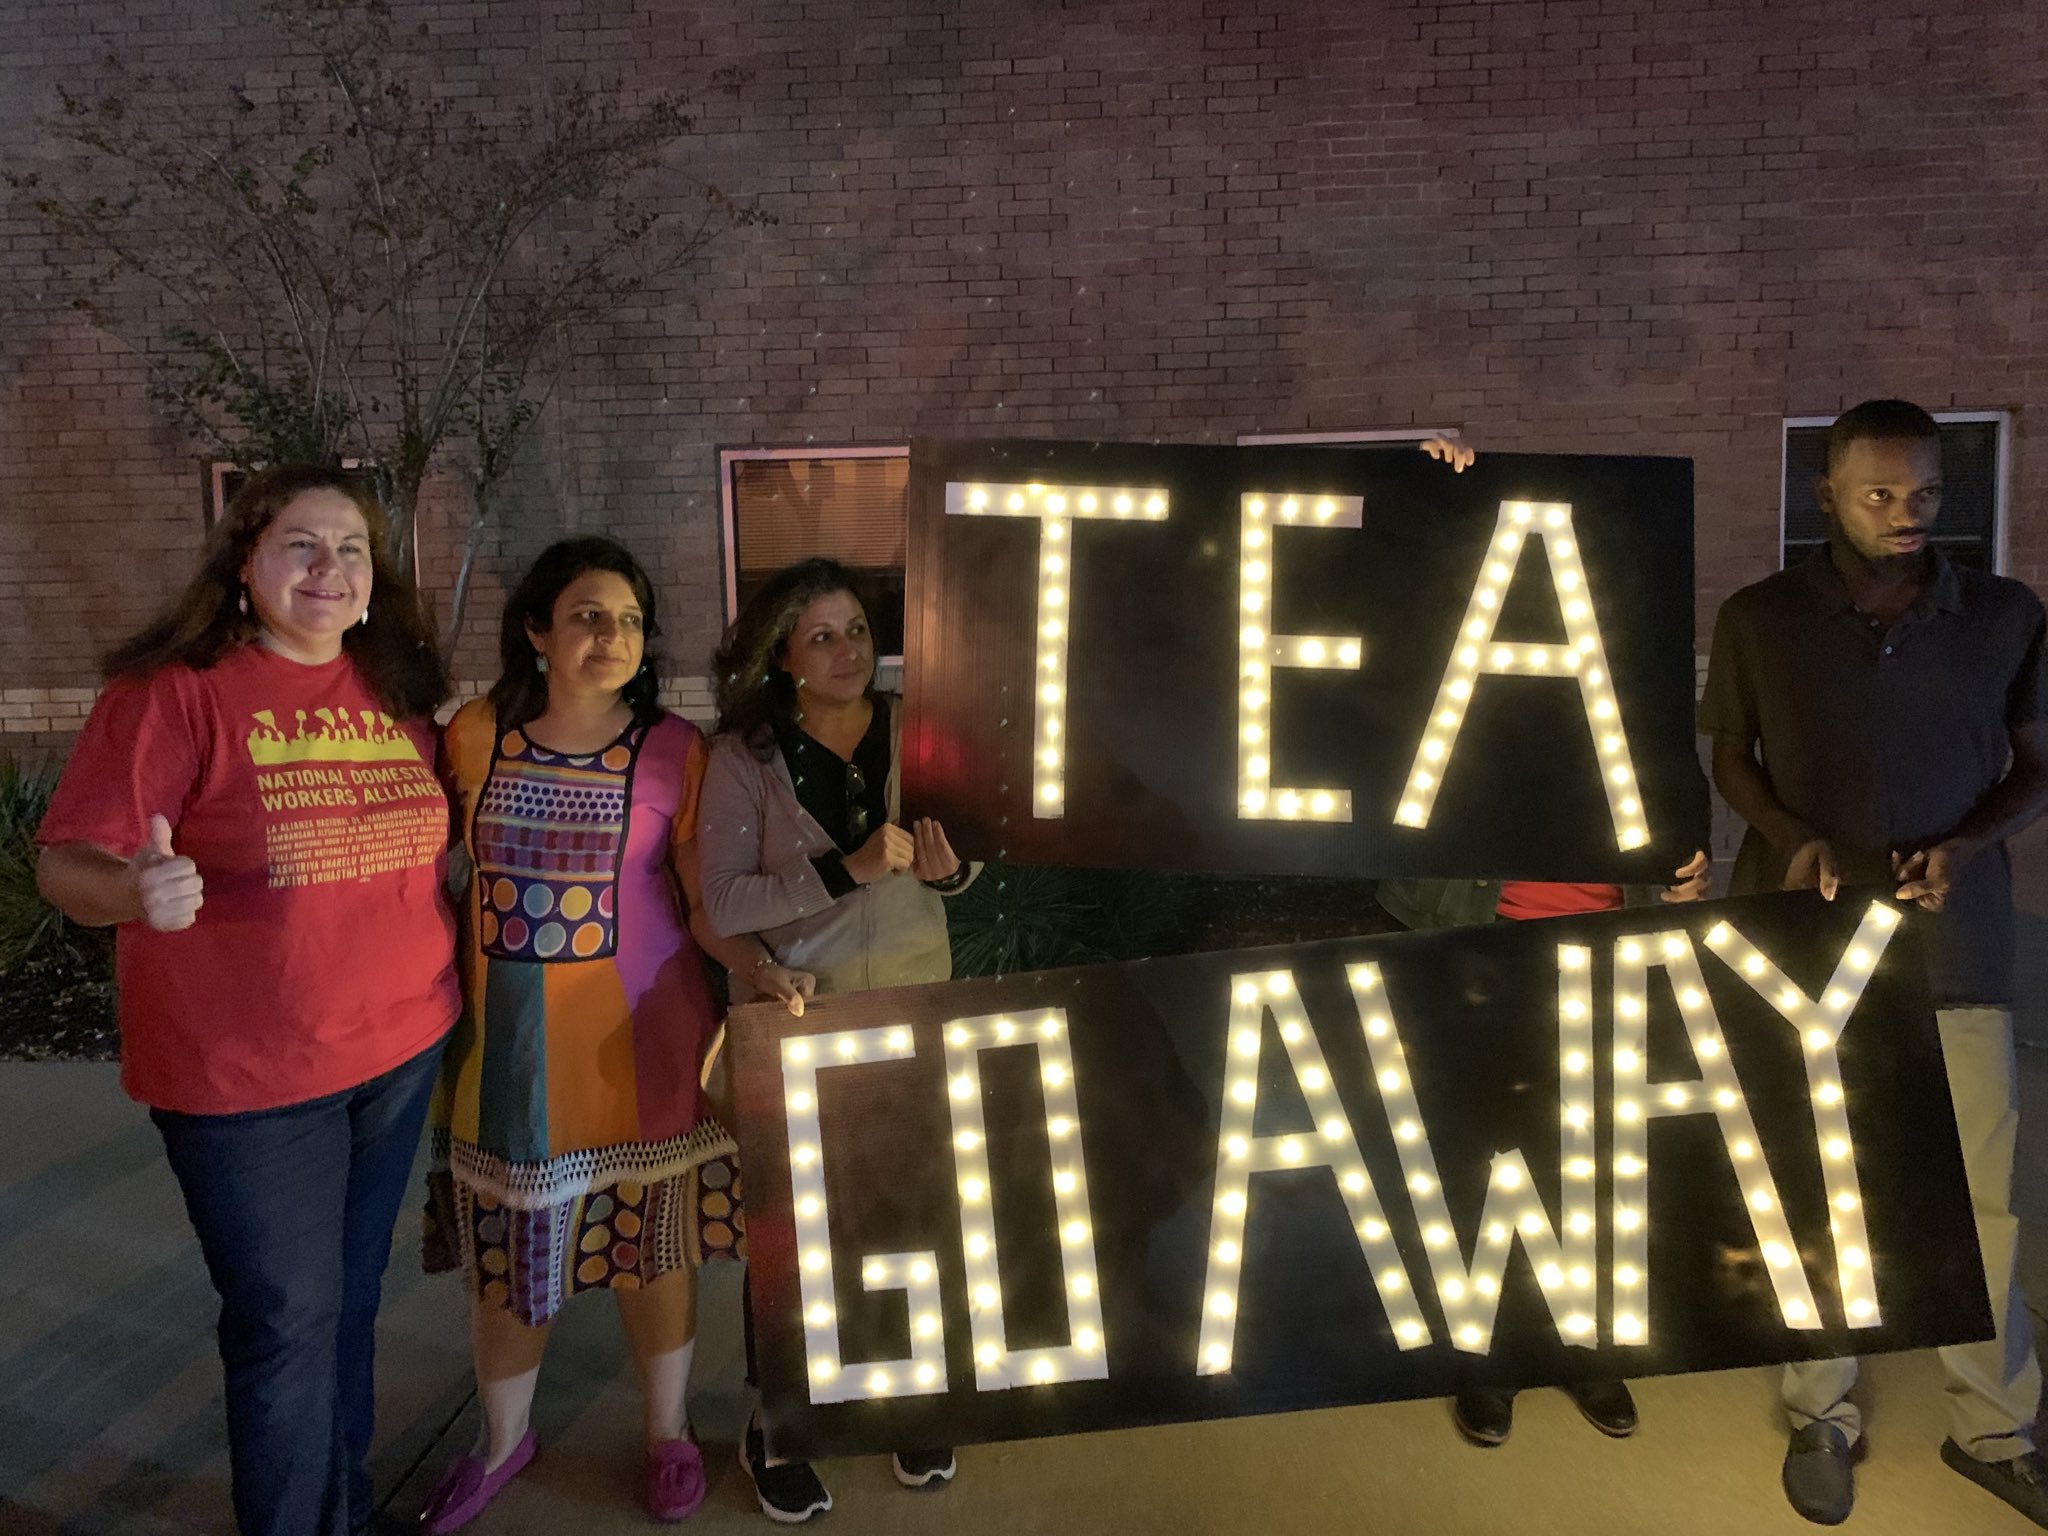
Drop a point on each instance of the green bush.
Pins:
(1034, 917)
(1028, 917)
(34, 934)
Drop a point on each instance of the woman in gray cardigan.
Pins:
(799, 847)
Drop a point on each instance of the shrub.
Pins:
(1032, 917)
(34, 934)
(1023, 917)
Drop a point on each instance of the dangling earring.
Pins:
(366, 615)
(242, 602)
(540, 663)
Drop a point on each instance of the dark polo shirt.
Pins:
(1883, 738)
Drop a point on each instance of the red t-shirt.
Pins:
(324, 952)
(1521, 900)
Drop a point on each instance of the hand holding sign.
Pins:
(1813, 868)
(1692, 879)
(1925, 877)
(789, 987)
(1448, 450)
(168, 888)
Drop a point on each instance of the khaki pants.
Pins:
(1994, 1388)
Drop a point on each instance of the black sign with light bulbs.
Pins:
(1646, 1141)
(1303, 660)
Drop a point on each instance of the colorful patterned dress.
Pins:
(572, 1144)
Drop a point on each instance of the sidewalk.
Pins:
(111, 1425)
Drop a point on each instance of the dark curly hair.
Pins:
(521, 691)
(749, 683)
(394, 650)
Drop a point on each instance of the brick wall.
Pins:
(1560, 224)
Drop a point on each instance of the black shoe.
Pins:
(2021, 1481)
(1484, 1418)
(1608, 1406)
(1820, 1481)
(924, 1469)
(789, 1491)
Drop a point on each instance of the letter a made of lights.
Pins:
(1548, 527)
(1056, 507)
(1329, 1142)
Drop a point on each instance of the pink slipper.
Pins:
(465, 1488)
(675, 1479)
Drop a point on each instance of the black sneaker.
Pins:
(1608, 1406)
(789, 1491)
(2021, 1481)
(924, 1469)
(1819, 1475)
(1484, 1418)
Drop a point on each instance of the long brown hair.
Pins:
(748, 681)
(521, 691)
(394, 651)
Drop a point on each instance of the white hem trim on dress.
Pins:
(536, 1186)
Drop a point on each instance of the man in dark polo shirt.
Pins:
(1879, 714)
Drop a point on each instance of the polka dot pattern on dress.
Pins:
(549, 832)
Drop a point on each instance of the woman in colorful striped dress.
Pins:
(573, 1147)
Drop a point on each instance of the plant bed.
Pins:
(56, 978)
(58, 1009)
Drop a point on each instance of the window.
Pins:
(847, 504)
(218, 482)
(1971, 528)
(219, 479)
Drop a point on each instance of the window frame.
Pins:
(728, 546)
(214, 485)
(1342, 439)
(2001, 473)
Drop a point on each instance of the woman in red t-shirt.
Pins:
(253, 803)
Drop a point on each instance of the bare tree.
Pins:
(352, 266)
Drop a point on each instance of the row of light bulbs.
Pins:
(1565, 1265)
(1548, 526)
(1056, 508)
(1328, 1142)
(1819, 1024)
(1715, 1091)
(1513, 1209)
(1260, 517)
(916, 1274)
(996, 1365)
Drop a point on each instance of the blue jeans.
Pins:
(294, 1208)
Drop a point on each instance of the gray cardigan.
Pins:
(755, 842)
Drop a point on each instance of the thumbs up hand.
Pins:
(167, 886)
